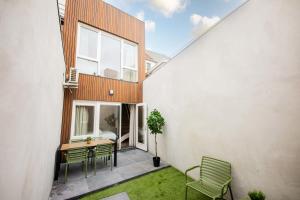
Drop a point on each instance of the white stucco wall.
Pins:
(234, 94)
(31, 96)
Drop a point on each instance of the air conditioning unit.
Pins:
(72, 82)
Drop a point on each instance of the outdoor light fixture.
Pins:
(111, 92)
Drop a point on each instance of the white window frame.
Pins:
(98, 60)
(136, 60)
(78, 46)
(82, 103)
(97, 116)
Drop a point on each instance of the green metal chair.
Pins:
(90, 154)
(215, 178)
(76, 156)
(103, 151)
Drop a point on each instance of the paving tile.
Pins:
(130, 164)
(123, 161)
(120, 196)
(103, 180)
(70, 189)
(131, 171)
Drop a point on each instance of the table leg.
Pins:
(115, 154)
(57, 163)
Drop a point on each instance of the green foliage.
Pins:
(257, 195)
(89, 138)
(155, 122)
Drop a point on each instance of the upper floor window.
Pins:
(129, 68)
(149, 65)
(110, 59)
(87, 55)
(101, 53)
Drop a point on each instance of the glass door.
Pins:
(141, 127)
(109, 120)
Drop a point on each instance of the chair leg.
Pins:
(111, 163)
(231, 195)
(66, 172)
(95, 166)
(86, 162)
(186, 190)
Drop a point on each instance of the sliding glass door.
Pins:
(109, 120)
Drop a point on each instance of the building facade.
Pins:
(107, 48)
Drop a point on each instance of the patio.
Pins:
(131, 164)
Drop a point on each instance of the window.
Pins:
(95, 119)
(129, 55)
(88, 43)
(84, 120)
(110, 59)
(149, 66)
(101, 53)
(87, 59)
(129, 68)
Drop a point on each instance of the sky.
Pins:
(171, 24)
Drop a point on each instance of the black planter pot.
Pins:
(156, 161)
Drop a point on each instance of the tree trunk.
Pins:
(155, 146)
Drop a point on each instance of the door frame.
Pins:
(145, 128)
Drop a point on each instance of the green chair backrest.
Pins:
(76, 155)
(103, 150)
(214, 170)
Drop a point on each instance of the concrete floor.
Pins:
(130, 164)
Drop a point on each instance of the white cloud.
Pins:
(150, 25)
(195, 19)
(168, 7)
(140, 15)
(202, 23)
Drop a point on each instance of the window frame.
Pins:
(98, 59)
(82, 103)
(96, 126)
(78, 55)
(136, 60)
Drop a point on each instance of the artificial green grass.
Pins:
(165, 184)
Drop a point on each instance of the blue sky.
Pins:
(172, 24)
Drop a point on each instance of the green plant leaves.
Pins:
(257, 195)
(155, 122)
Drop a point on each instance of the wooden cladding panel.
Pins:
(105, 17)
(125, 92)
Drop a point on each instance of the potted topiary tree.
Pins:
(155, 124)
